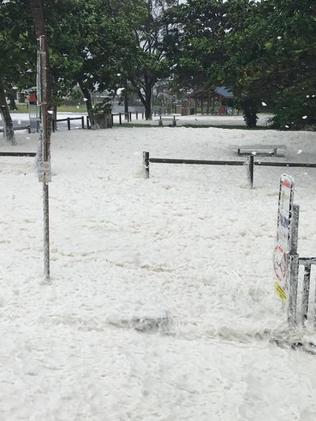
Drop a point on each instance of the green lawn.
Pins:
(22, 108)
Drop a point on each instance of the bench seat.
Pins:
(261, 150)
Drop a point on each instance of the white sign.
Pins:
(282, 249)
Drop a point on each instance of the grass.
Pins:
(193, 126)
(22, 108)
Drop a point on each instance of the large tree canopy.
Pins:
(265, 51)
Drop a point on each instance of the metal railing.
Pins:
(249, 162)
(307, 263)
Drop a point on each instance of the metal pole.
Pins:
(146, 164)
(68, 123)
(315, 310)
(250, 170)
(44, 159)
(46, 231)
(120, 118)
(82, 122)
(306, 287)
(293, 267)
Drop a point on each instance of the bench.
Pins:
(172, 121)
(261, 150)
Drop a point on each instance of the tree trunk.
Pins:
(250, 109)
(88, 100)
(145, 98)
(12, 103)
(126, 103)
(208, 106)
(8, 131)
(148, 110)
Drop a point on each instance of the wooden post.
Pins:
(82, 122)
(251, 170)
(120, 118)
(68, 123)
(146, 164)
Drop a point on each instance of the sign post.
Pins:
(285, 257)
(283, 244)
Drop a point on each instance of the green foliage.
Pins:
(17, 48)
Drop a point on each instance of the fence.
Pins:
(308, 303)
(17, 153)
(28, 128)
(128, 116)
(250, 163)
(307, 262)
(68, 120)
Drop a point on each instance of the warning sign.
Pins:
(282, 248)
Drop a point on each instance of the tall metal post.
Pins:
(250, 170)
(306, 288)
(293, 268)
(146, 164)
(44, 150)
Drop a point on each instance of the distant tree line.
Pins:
(265, 52)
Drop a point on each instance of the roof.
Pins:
(224, 92)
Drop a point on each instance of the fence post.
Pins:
(136, 115)
(130, 116)
(82, 122)
(160, 121)
(293, 268)
(120, 118)
(315, 311)
(146, 164)
(68, 123)
(112, 119)
(306, 288)
(250, 170)
(174, 122)
(88, 123)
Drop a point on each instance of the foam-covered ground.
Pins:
(161, 302)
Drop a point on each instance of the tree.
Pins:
(149, 63)
(17, 55)
(90, 43)
(272, 58)
(195, 45)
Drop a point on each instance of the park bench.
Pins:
(261, 150)
(172, 121)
